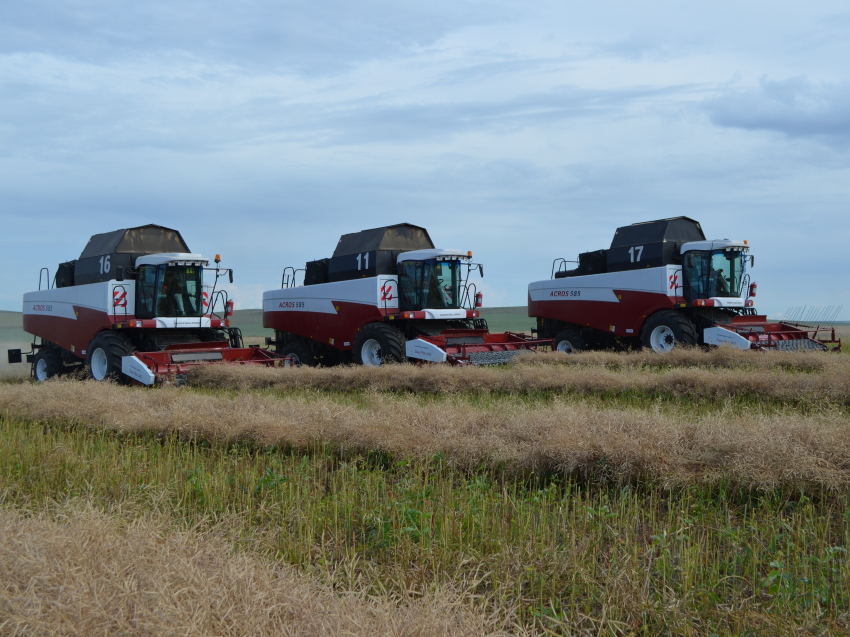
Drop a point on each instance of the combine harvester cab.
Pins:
(387, 294)
(133, 308)
(662, 284)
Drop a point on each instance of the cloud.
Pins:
(795, 107)
(325, 37)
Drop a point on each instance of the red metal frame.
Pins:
(763, 334)
(167, 370)
(458, 352)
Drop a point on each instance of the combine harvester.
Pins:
(387, 294)
(133, 308)
(662, 284)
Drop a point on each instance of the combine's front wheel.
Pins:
(104, 356)
(666, 329)
(47, 364)
(378, 343)
(569, 341)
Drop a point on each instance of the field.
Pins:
(702, 493)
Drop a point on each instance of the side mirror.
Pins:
(752, 260)
(119, 273)
(230, 273)
(481, 269)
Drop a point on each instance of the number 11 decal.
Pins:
(366, 260)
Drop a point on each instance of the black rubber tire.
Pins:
(114, 346)
(301, 352)
(675, 330)
(47, 364)
(571, 337)
(389, 340)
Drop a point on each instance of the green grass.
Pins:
(591, 557)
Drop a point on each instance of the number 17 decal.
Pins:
(635, 253)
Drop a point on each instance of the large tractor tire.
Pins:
(377, 344)
(666, 330)
(569, 341)
(103, 360)
(300, 352)
(47, 364)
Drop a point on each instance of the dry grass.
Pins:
(693, 373)
(763, 450)
(87, 573)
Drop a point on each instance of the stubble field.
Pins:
(599, 494)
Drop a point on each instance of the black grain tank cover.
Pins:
(65, 274)
(651, 244)
(373, 252)
(120, 248)
(316, 272)
(588, 263)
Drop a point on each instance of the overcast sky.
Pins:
(522, 131)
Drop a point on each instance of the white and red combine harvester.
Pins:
(387, 294)
(661, 284)
(134, 308)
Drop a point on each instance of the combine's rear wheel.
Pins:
(569, 341)
(665, 330)
(300, 353)
(47, 364)
(104, 356)
(378, 343)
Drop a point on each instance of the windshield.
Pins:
(713, 274)
(429, 284)
(169, 290)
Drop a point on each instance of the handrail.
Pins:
(214, 300)
(120, 301)
(468, 296)
(48, 278)
(387, 295)
(745, 285)
(679, 278)
(562, 263)
(287, 280)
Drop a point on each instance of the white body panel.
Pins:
(722, 336)
(717, 244)
(378, 291)
(422, 255)
(601, 287)
(445, 314)
(186, 322)
(417, 348)
(178, 258)
(134, 368)
(101, 297)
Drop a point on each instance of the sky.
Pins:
(524, 132)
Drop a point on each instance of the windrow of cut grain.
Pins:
(670, 446)
(86, 573)
(719, 374)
